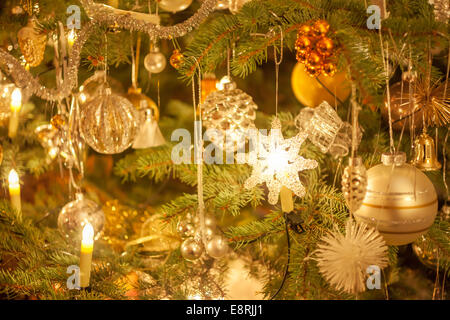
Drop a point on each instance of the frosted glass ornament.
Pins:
(149, 135)
(400, 201)
(109, 123)
(155, 61)
(75, 214)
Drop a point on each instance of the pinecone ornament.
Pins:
(354, 183)
(32, 43)
(227, 114)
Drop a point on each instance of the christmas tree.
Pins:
(239, 149)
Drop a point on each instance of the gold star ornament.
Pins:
(276, 161)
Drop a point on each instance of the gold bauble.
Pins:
(32, 43)
(311, 93)
(176, 59)
(400, 201)
(141, 101)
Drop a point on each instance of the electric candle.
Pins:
(87, 246)
(16, 104)
(71, 38)
(14, 190)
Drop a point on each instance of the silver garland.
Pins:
(99, 14)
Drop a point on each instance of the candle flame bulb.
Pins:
(87, 246)
(16, 100)
(71, 37)
(14, 190)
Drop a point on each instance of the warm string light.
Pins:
(87, 246)
(14, 190)
(16, 105)
(71, 37)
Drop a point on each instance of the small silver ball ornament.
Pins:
(217, 247)
(191, 249)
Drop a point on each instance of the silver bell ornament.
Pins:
(155, 61)
(227, 114)
(400, 201)
(109, 123)
(354, 183)
(217, 247)
(191, 249)
(149, 134)
(75, 214)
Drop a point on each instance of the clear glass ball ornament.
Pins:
(228, 114)
(174, 5)
(109, 123)
(217, 247)
(93, 86)
(155, 61)
(76, 214)
(191, 249)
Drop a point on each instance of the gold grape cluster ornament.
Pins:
(315, 50)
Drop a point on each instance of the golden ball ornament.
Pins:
(174, 5)
(303, 43)
(320, 28)
(305, 30)
(141, 102)
(302, 56)
(403, 110)
(325, 47)
(176, 59)
(400, 201)
(310, 92)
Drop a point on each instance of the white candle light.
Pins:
(14, 190)
(16, 104)
(87, 246)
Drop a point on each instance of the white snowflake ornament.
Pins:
(276, 162)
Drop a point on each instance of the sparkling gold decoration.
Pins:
(228, 113)
(400, 201)
(311, 93)
(32, 43)
(425, 157)
(354, 183)
(109, 123)
(176, 59)
(276, 161)
(315, 49)
(435, 112)
(343, 259)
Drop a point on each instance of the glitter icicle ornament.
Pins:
(32, 43)
(228, 114)
(343, 259)
(109, 123)
(354, 183)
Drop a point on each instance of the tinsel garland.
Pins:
(100, 15)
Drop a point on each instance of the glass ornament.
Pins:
(185, 228)
(109, 123)
(155, 61)
(191, 249)
(96, 84)
(354, 183)
(400, 200)
(235, 5)
(217, 247)
(174, 5)
(326, 130)
(75, 214)
(228, 113)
